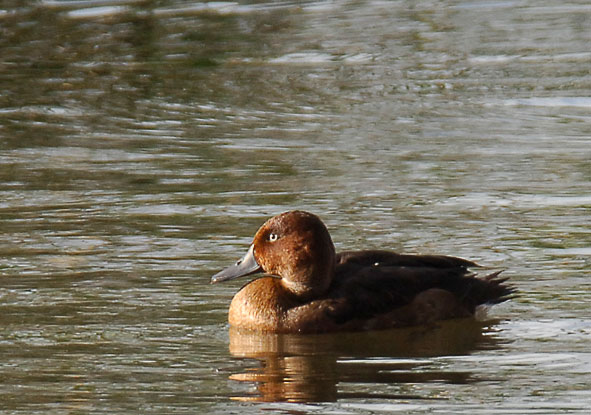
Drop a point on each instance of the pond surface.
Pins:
(142, 143)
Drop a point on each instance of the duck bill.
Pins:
(246, 266)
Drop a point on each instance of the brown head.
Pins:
(295, 246)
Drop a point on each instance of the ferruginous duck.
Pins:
(308, 288)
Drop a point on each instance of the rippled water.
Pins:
(142, 143)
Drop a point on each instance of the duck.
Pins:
(307, 287)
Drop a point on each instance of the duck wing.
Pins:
(389, 258)
(370, 283)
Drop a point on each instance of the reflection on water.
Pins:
(305, 368)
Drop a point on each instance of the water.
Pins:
(142, 144)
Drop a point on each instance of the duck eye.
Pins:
(273, 237)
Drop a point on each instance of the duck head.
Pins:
(294, 246)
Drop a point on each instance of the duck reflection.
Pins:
(312, 368)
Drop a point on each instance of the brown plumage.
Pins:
(312, 289)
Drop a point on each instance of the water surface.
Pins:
(142, 144)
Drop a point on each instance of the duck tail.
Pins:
(495, 289)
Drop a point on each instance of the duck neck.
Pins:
(312, 281)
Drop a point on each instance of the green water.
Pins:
(143, 143)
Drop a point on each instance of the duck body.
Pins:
(311, 289)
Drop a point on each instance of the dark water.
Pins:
(142, 143)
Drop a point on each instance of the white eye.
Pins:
(273, 237)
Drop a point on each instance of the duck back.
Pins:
(421, 288)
